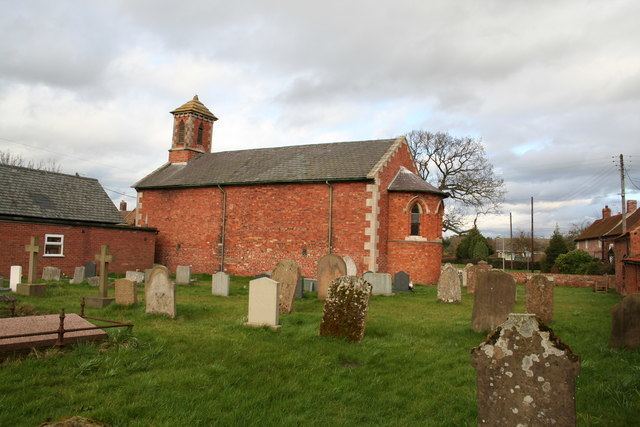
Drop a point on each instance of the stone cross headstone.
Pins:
(625, 323)
(102, 300)
(220, 284)
(472, 275)
(525, 376)
(90, 269)
(345, 310)
(494, 299)
(352, 269)
(329, 267)
(78, 275)
(51, 274)
(263, 303)
(30, 288)
(287, 273)
(135, 276)
(125, 292)
(465, 275)
(183, 275)
(401, 282)
(380, 282)
(539, 297)
(449, 289)
(160, 293)
(15, 277)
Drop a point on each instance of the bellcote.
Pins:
(192, 131)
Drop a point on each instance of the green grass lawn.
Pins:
(205, 367)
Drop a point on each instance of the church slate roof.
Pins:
(339, 161)
(35, 193)
(405, 180)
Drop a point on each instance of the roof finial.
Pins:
(195, 98)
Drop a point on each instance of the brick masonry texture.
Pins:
(569, 280)
(132, 249)
(627, 275)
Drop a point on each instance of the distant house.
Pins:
(128, 217)
(516, 250)
(71, 216)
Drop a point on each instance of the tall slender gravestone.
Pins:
(102, 300)
(329, 267)
(345, 310)
(15, 277)
(263, 303)
(525, 376)
(494, 299)
(449, 285)
(465, 275)
(29, 288)
(539, 297)
(160, 293)
(625, 323)
(287, 273)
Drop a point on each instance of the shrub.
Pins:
(577, 262)
(474, 246)
(557, 246)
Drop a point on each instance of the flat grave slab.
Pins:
(49, 322)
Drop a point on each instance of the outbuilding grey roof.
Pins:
(35, 193)
(339, 161)
(405, 180)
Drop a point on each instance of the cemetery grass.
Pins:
(205, 367)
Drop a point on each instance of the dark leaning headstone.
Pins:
(299, 289)
(525, 376)
(90, 269)
(625, 323)
(494, 298)
(345, 309)
(401, 282)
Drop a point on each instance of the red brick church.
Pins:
(243, 211)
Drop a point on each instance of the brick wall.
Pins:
(132, 249)
(627, 274)
(570, 280)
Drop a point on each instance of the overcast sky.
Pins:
(552, 88)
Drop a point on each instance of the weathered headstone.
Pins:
(299, 289)
(135, 276)
(309, 285)
(93, 281)
(78, 275)
(352, 269)
(625, 323)
(539, 297)
(147, 273)
(329, 267)
(494, 299)
(380, 282)
(102, 300)
(287, 273)
(525, 376)
(472, 275)
(183, 275)
(345, 310)
(220, 284)
(449, 289)
(465, 275)
(263, 303)
(89, 269)
(30, 288)
(125, 292)
(15, 277)
(401, 282)
(160, 293)
(51, 274)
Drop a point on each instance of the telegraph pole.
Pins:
(532, 234)
(511, 239)
(624, 203)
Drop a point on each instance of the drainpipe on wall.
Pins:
(224, 221)
(330, 232)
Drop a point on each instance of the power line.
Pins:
(121, 193)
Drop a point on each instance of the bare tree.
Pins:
(49, 165)
(458, 166)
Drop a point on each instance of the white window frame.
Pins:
(47, 243)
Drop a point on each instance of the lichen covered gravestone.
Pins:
(160, 293)
(125, 292)
(183, 275)
(494, 299)
(220, 284)
(345, 310)
(401, 282)
(287, 273)
(51, 274)
(525, 376)
(135, 276)
(381, 283)
(539, 297)
(263, 303)
(625, 323)
(329, 267)
(449, 285)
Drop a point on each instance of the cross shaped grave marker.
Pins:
(102, 300)
(32, 248)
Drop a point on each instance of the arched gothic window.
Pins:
(200, 132)
(181, 133)
(415, 220)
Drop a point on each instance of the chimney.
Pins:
(632, 205)
(123, 206)
(606, 212)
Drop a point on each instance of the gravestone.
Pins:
(263, 303)
(494, 299)
(15, 277)
(401, 282)
(78, 275)
(329, 267)
(93, 281)
(309, 285)
(345, 310)
(183, 275)
(287, 273)
(539, 297)
(380, 282)
(51, 274)
(147, 273)
(89, 269)
(472, 275)
(125, 292)
(465, 275)
(160, 293)
(299, 289)
(30, 288)
(352, 269)
(261, 275)
(449, 285)
(102, 300)
(625, 323)
(135, 276)
(525, 376)
(220, 284)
